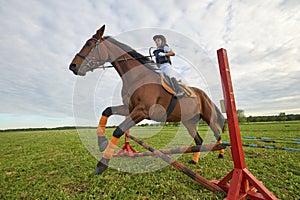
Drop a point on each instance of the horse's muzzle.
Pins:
(72, 67)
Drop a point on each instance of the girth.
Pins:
(171, 106)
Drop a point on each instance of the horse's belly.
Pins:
(185, 109)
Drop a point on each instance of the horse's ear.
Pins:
(100, 31)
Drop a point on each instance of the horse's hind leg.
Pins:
(114, 110)
(191, 126)
(211, 118)
(217, 135)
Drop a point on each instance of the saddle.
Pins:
(167, 85)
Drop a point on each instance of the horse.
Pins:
(143, 96)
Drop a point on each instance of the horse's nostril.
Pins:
(72, 67)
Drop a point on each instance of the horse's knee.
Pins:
(198, 139)
(107, 112)
(118, 132)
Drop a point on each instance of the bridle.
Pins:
(92, 63)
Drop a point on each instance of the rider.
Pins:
(162, 55)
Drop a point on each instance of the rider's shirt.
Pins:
(162, 59)
(164, 62)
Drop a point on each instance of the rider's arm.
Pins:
(168, 51)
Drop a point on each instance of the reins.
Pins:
(95, 64)
(122, 59)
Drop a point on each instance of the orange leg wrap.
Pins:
(196, 157)
(101, 126)
(110, 148)
(222, 150)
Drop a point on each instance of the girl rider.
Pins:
(162, 55)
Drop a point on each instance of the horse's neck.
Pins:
(132, 71)
(123, 67)
(118, 59)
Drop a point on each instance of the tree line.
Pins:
(242, 119)
(272, 118)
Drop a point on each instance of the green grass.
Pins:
(56, 165)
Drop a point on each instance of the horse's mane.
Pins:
(141, 58)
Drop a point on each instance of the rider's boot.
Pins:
(178, 89)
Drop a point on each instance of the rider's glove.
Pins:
(161, 54)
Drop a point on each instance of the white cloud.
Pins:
(39, 39)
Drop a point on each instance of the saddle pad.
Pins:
(188, 91)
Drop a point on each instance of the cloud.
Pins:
(40, 38)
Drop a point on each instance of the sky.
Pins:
(40, 38)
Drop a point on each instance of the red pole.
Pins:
(232, 119)
(243, 184)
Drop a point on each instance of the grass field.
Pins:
(56, 165)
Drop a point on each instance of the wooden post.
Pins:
(243, 184)
(232, 118)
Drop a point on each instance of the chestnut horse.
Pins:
(143, 95)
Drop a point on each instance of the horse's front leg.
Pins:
(114, 110)
(138, 114)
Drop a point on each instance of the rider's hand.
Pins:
(161, 54)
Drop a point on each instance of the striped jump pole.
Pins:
(277, 140)
(179, 150)
(203, 181)
(264, 147)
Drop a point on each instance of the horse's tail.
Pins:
(221, 120)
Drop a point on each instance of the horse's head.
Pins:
(92, 55)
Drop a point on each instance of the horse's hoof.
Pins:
(102, 143)
(192, 162)
(101, 166)
(220, 156)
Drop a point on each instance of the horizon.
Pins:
(149, 122)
